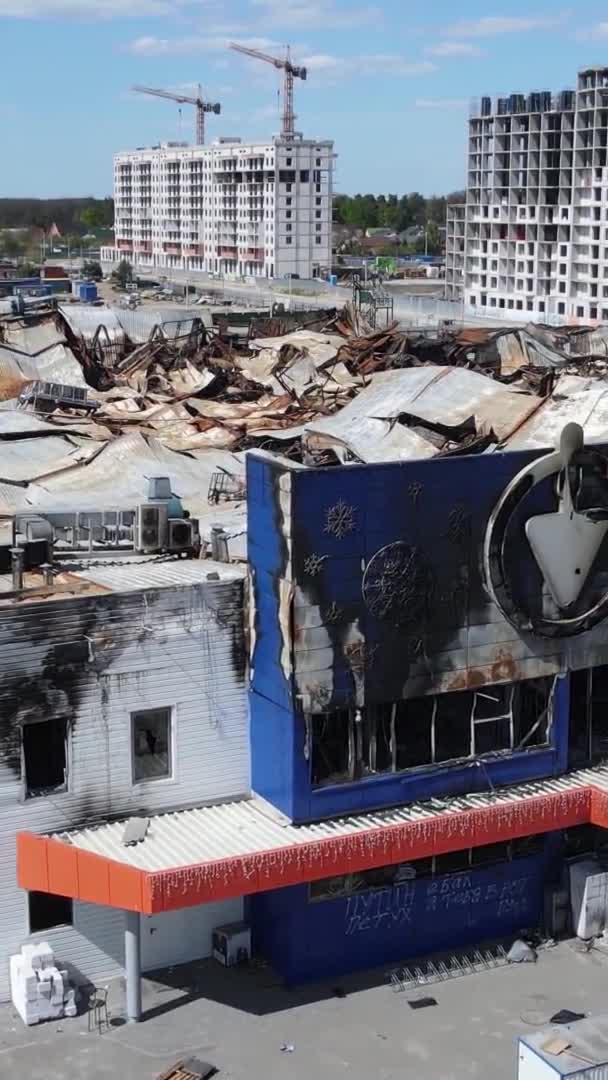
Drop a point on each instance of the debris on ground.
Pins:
(521, 953)
(192, 1069)
(287, 1048)
(566, 1016)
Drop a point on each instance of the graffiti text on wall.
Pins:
(384, 907)
(394, 906)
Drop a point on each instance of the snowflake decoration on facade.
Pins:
(333, 613)
(415, 491)
(459, 525)
(314, 564)
(340, 519)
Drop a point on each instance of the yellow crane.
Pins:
(201, 106)
(290, 72)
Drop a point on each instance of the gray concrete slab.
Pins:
(239, 1020)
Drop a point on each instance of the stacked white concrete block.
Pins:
(39, 990)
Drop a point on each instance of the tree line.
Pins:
(393, 211)
(69, 215)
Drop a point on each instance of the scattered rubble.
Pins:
(192, 389)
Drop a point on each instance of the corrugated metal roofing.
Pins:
(33, 338)
(229, 830)
(14, 421)
(117, 478)
(84, 320)
(128, 573)
(440, 395)
(574, 399)
(26, 459)
(174, 321)
(133, 573)
(56, 364)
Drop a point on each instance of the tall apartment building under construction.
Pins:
(531, 242)
(251, 209)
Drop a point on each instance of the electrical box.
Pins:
(232, 943)
(565, 1051)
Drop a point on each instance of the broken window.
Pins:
(531, 713)
(47, 910)
(492, 720)
(333, 753)
(436, 729)
(44, 755)
(151, 731)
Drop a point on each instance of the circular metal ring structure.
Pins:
(497, 578)
(396, 583)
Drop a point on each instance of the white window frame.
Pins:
(171, 776)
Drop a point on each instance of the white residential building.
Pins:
(532, 241)
(246, 209)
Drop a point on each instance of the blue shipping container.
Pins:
(88, 291)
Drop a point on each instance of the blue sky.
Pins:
(389, 80)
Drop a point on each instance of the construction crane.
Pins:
(201, 106)
(290, 72)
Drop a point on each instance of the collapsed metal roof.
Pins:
(181, 395)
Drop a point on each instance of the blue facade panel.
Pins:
(315, 939)
(326, 637)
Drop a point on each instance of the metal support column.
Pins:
(133, 965)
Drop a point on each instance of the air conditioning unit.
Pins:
(151, 528)
(182, 534)
(231, 944)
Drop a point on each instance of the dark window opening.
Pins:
(151, 744)
(47, 910)
(452, 862)
(304, 176)
(413, 732)
(489, 854)
(453, 726)
(44, 755)
(332, 747)
(531, 713)
(583, 840)
(588, 716)
(348, 744)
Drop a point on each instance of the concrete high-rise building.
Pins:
(532, 240)
(261, 209)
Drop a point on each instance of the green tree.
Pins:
(11, 245)
(123, 273)
(92, 217)
(92, 270)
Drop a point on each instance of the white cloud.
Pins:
(490, 25)
(440, 103)
(367, 64)
(453, 48)
(157, 46)
(98, 9)
(598, 31)
(316, 14)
